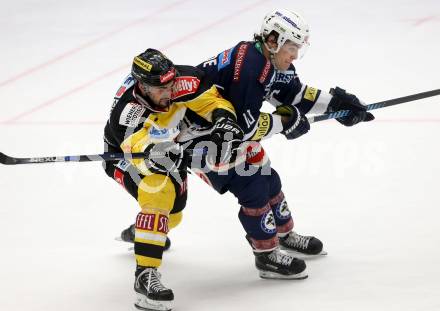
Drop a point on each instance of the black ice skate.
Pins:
(301, 246)
(278, 265)
(151, 295)
(127, 235)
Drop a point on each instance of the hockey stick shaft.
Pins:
(383, 104)
(7, 160)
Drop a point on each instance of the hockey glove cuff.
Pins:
(295, 124)
(226, 135)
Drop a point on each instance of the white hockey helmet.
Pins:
(288, 25)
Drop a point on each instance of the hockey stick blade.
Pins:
(4, 159)
(383, 104)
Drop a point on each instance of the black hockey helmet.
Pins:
(153, 68)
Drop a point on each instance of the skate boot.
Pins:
(127, 235)
(150, 293)
(301, 246)
(277, 265)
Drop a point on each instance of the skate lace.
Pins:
(280, 258)
(296, 240)
(151, 277)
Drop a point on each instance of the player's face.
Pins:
(159, 95)
(286, 55)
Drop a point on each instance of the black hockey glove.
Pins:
(165, 157)
(226, 135)
(295, 124)
(345, 101)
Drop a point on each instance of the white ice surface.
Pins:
(371, 193)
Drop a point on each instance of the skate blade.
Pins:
(302, 255)
(143, 303)
(276, 276)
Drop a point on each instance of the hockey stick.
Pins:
(7, 160)
(4, 159)
(385, 103)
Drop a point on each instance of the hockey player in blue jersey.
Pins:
(246, 75)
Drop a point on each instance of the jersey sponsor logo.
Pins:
(162, 224)
(265, 72)
(129, 80)
(131, 115)
(145, 221)
(184, 86)
(143, 64)
(239, 61)
(264, 126)
(224, 58)
(284, 77)
(157, 133)
(310, 93)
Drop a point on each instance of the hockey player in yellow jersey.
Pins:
(145, 117)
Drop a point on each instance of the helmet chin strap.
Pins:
(272, 53)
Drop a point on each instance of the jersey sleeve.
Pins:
(291, 91)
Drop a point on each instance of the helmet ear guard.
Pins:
(287, 26)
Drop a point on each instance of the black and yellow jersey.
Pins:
(131, 127)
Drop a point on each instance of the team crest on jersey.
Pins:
(224, 58)
(131, 115)
(184, 86)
